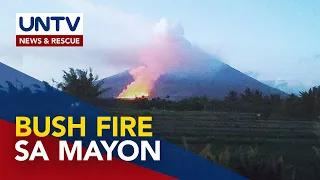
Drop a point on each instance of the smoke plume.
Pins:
(164, 51)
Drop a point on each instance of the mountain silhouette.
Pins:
(213, 81)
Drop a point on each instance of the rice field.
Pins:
(293, 139)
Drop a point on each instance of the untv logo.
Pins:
(49, 29)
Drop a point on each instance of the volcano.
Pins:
(169, 65)
(215, 83)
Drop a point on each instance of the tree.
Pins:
(232, 96)
(290, 105)
(257, 95)
(310, 101)
(247, 95)
(81, 84)
(275, 99)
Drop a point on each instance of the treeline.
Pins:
(305, 104)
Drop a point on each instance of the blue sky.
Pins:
(277, 40)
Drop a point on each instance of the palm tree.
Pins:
(81, 84)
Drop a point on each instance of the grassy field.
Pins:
(290, 139)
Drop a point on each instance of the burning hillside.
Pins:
(140, 87)
(161, 54)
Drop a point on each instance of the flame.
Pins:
(163, 52)
(139, 88)
(133, 95)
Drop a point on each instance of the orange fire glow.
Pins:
(133, 95)
(163, 52)
(139, 88)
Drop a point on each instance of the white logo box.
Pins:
(64, 28)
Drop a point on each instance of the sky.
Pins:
(273, 41)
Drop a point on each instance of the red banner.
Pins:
(49, 40)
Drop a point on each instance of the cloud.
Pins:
(168, 51)
(287, 85)
(111, 40)
(163, 28)
(163, 52)
(47, 63)
(109, 26)
(252, 74)
(284, 84)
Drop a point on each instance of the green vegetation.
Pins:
(307, 104)
(81, 84)
(274, 147)
(247, 161)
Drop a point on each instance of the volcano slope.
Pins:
(214, 81)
